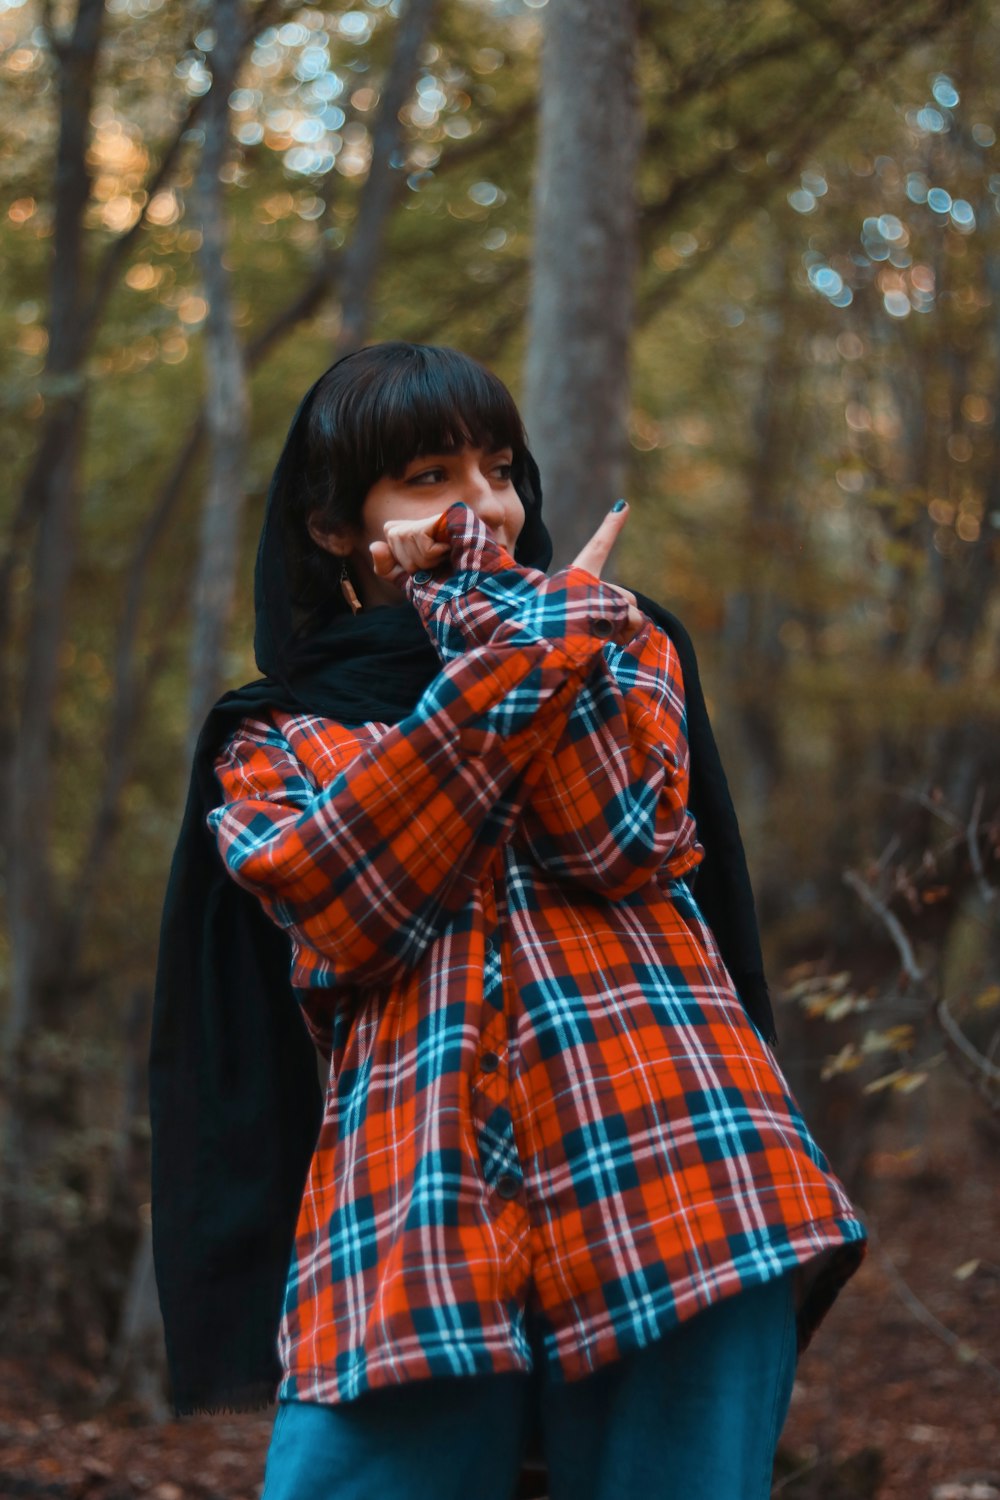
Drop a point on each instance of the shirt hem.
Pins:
(835, 1245)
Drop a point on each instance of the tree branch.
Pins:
(920, 1311)
(982, 1073)
(501, 128)
(699, 79)
(891, 923)
(361, 258)
(987, 891)
(818, 121)
(118, 250)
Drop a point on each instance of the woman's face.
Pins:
(428, 486)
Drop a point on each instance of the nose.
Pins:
(480, 495)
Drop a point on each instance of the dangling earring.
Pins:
(347, 589)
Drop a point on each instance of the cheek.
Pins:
(376, 510)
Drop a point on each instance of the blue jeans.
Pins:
(695, 1416)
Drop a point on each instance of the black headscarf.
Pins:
(235, 1102)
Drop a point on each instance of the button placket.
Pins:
(498, 1154)
(488, 1075)
(492, 1117)
(492, 974)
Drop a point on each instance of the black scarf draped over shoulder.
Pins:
(235, 1102)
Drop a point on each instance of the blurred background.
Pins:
(738, 260)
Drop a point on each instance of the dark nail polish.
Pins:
(618, 506)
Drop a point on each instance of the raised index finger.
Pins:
(595, 553)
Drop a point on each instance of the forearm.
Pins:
(365, 871)
(610, 808)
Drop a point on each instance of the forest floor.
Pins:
(890, 1400)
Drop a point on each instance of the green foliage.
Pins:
(812, 478)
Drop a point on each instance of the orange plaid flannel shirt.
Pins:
(543, 1089)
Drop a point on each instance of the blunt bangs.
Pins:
(402, 401)
(436, 404)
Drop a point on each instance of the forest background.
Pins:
(740, 261)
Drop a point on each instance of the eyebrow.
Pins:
(423, 458)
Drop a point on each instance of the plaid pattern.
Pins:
(543, 1087)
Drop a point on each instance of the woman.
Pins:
(557, 1191)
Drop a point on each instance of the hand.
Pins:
(409, 546)
(595, 554)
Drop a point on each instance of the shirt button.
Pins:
(489, 1062)
(508, 1186)
(491, 948)
(601, 627)
(422, 577)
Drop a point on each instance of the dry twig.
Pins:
(891, 922)
(921, 1312)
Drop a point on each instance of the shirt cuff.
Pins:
(473, 551)
(466, 598)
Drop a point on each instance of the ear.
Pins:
(339, 542)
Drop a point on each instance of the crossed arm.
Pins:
(534, 724)
(609, 808)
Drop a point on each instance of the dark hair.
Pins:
(371, 414)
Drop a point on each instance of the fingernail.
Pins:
(618, 506)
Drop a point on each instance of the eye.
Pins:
(504, 470)
(427, 476)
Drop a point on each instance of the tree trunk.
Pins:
(363, 255)
(576, 373)
(226, 398)
(47, 515)
(766, 533)
(51, 503)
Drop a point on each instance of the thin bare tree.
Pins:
(362, 256)
(226, 399)
(49, 505)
